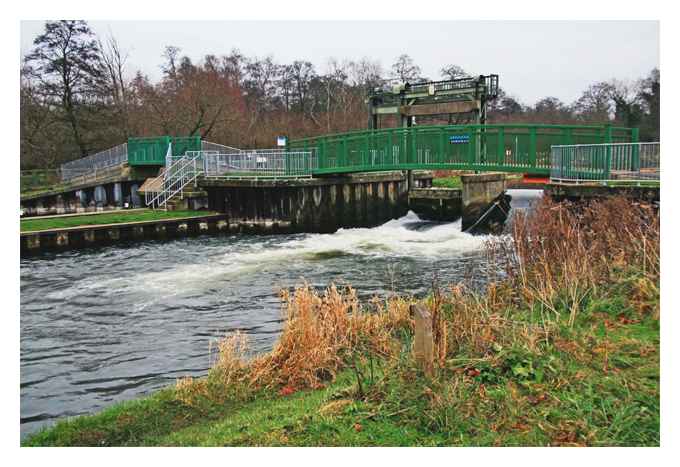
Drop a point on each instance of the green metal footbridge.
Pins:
(587, 152)
(505, 148)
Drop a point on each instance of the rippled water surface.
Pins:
(109, 324)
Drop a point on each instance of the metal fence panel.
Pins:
(101, 160)
(264, 163)
(606, 163)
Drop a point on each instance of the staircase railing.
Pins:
(180, 172)
(157, 184)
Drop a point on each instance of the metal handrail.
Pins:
(509, 148)
(160, 180)
(186, 174)
(150, 196)
(177, 175)
(208, 146)
(260, 163)
(606, 163)
(101, 160)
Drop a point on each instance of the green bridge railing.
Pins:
(611, 163)
(521, 148)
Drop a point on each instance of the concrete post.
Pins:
(59, 204)
(117, 194)
(160, 231)
(135, 200)
(138, 232)
(114, 234)
(99, 195)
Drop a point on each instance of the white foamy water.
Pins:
(405, 237)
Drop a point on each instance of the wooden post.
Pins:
(423, 343)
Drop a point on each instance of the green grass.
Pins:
(447, 182)
(644, 183)
(595, 383)
(113, 217)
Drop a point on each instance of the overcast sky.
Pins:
(534, 59)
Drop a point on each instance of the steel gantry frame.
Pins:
(464, 96)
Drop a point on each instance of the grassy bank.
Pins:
(447, 182)
(561, 349)
(111, 217)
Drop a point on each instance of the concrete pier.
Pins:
(480, 191)
(437, 204)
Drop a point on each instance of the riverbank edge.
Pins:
(55, 223)
(609, 399)
(37, 242)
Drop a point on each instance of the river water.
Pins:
(109, 324)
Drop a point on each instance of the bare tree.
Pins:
(114, 61)
(453, 72)
(595, 103)
(170, 54)
(66, 61)
(627, 102)
(405, 70)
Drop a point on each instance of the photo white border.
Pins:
(345, 10)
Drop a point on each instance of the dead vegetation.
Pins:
(559, 258)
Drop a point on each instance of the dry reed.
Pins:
(559, 254)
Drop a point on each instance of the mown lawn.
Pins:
(113, 217)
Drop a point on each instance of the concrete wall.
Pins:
(437, 204)
(311, 205)
(561, 192)
(479, 192)
(88, 236)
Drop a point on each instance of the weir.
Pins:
(266, 185)
(313, 205)
(296, 206)
(359, 178)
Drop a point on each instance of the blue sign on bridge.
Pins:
(459, 139)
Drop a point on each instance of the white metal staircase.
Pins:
(179, 172)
